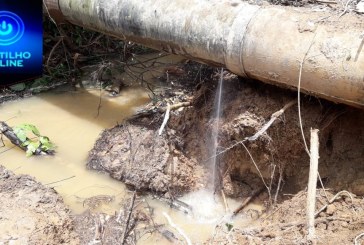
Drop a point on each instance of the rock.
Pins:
(330, 210)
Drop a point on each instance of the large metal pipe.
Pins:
(267, 43)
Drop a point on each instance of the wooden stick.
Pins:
(180, 231)
(325, 1)
(225, 202)
(312, 181)
(126, 230)
(154, 109)
(265, 127)
(274, 117)
(341, 193)
(177, 204)
(175, 106)
(51, 183)
(248, 200)
(165, 120)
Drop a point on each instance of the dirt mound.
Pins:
(31, 213)
(340, 222)
(139, 157)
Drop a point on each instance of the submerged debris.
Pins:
(95, 201)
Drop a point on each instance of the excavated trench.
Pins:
(176, 163)
(133, 153)
(276, 162)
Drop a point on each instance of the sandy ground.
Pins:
(31, 213)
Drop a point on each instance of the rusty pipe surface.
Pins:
(273, 44)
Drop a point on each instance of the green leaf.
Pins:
(44, 140)
(48, 146)
(25, 143)
(46, 143)
(30, 127)
(27, 128)
(18, 87)
(20, 133)
(32, 147)
(29, 141)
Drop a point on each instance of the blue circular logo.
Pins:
(11, 28)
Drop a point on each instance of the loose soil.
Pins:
(340, 223)
(31, 213)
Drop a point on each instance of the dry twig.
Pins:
(357, 238)
(225, 202)
(51, 54)
(299, 100)
(180, 231)
(248, 200)
(346, 8)
(165, 120)
(154, 109)
(256, 166)
(60, 180)
(126, 230)
(326, 1)
(265, 127)
(279, 183)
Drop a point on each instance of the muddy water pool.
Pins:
(72, 120)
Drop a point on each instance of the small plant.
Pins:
(229, 226)
(30, 137)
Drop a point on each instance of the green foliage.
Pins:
(31, 138)
(18, 87)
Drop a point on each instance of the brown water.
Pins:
(72, 120)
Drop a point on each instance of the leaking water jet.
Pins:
(215, 160)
